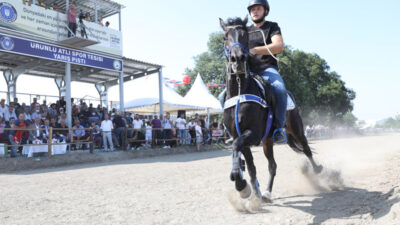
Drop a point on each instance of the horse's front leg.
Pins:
(239, 145)
(252, 171)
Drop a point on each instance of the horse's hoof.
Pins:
(318, 169)
(246, 192)
(266, 197)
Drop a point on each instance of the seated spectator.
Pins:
(62, 132)
(28, 114)
(53, 123)
(53, 111)
(6, 134)
(21, 109)
(96, 134)
(62, 116)
(17, 136)
(3, 108)
(107, 24)
(55, 7)
(15, 104)
(41, 4)
(10, 113)
(36, 113)
(79, 133)
(46, 130)
(44, 106)
(36, 134)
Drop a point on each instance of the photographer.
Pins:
(72, 19)
(82, 17)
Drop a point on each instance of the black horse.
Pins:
(247, 121)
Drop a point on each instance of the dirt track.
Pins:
(195, 188)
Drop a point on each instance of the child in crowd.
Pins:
(148, 134)
(199, 135)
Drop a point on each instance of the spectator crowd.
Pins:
(109, 129)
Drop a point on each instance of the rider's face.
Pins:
(257, 12)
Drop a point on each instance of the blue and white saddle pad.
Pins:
(290, 102)
(253, 98)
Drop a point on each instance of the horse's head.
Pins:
(236, 44)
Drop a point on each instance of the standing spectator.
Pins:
(10, 113)
(16, 137)
(3, 108)
(167, 125)
(156, 125)
(181, 125)
(62, 103)
(119, 125)
(72, 14)
(106, 128)
(33, 104)
(207, 132)
(148, 134)
(137, 122)
(16, 104)
(199, 135)
(21, 109)
(2, 131)
(107, 24)
(192, 130)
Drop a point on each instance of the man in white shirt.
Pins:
(181, 125)
(10, 113)
(137, 123)
(3, 108)
(106, 127)
(167, 125)
(192, 131)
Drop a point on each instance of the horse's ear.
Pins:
(221, 22)
(246, 19)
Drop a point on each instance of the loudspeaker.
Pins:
(180, 112)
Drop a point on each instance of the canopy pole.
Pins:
(160, 91)
(68, 93)
(121, 92)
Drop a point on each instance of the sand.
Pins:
(359, 185)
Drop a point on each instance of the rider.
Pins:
(261, 60)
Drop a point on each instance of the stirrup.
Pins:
(276, 138)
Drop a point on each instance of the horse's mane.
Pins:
(235, 21)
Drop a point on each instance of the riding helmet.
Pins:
(258, 2)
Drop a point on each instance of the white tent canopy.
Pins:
(143, 97)
(200, 96)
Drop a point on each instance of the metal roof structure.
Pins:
(105, 8)
(52, 69)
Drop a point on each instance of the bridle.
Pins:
(229, 64)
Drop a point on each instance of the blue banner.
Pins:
(47, 51)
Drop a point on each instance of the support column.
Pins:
(68, 93)
(96, 16)
(160, 91)
(61, 84)
(102, 89)
(121, 92)
(120, 21)
(11, 81)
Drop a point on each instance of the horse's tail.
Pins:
(296, 138)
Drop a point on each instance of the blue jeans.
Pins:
(272, 76)
(14, 149)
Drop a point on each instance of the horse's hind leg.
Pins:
(252, 171)
(296, 136)
(269, 153)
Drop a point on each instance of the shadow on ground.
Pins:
(347, 203)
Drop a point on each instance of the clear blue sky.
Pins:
(359, 39)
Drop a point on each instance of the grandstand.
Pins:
(34, 41)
